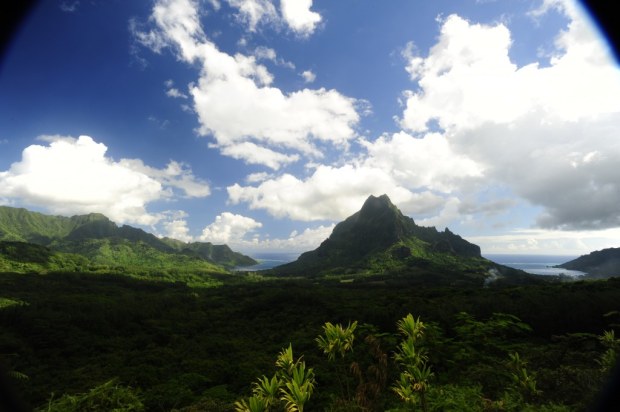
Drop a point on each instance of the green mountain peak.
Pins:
(380, 236)
(96, 242)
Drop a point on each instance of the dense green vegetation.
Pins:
(96, 317)
(380, 240)
(169, 346)
(598, 264)
(31, 242)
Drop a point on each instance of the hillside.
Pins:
(599, 264)
(380, 240)
(61, 243)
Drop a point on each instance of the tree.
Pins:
(109, 396)
(293, 382)
(414, 378)
(338, 340)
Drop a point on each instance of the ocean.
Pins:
(269, 260)
(535, 264)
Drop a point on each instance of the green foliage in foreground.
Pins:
(290, 387)
(109, 396)
(415, 385)
(195, 349)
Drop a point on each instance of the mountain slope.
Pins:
(108, 246)
(600, 264)
(380, 240)
(18, 224)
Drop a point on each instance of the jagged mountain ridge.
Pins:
(101, 240)
(379, 239)
(379, 224)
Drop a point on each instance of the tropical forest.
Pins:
(385, 315)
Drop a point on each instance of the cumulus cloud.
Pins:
(253, 153)
(308, 239)
(229, 228)
(240, 233)
(419, 175)
(254, 12)
(548, 133)
(175, 226)
(330, 193)
(532, 241)
(308, 76)
(571, 166)
(295, 14)
(426, 161)
(176, 175)
(468, 79)
(74, 176)
(237, 105)
(299, 17)
(175, 93)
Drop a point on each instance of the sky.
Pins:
(263, 123)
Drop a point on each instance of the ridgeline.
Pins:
(379, 240)
(37, 243)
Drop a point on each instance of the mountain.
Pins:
(222, 254)
(105, 245)
(18, 224)
(599, 264)
(379, 240)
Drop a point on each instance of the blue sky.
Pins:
(261, 123)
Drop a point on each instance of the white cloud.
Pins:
(299, 17)
(446, 216)
(177, 229)
(330, 193)
(235, 102)
(428, 161)
(254, 12)
(74, 176)
(571, 167)
(308, 239)
(418, 174)
(468, 79)
(253, 153)
(267, 53)
(239, 232)
(308, 76)
(533, 241)
(296, 14)
(175, 93)
(229, 228)
(175, 175)
(257, 177)
(547, 133)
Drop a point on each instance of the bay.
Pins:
(269, 260)
(536, 264)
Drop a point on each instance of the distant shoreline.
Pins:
(536, 264)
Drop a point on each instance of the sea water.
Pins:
(536, 264)
(269, 260)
